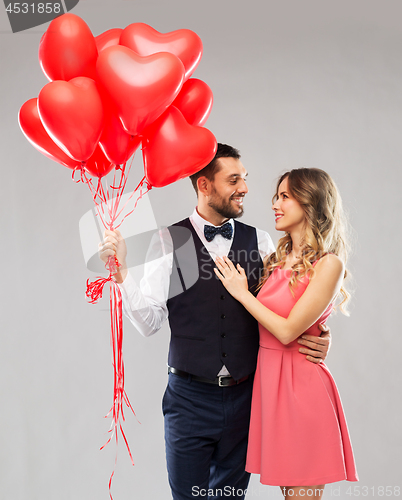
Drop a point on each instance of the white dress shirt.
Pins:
(145, 305)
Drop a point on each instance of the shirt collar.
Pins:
(200, 222)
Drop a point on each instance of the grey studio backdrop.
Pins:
(296, 83)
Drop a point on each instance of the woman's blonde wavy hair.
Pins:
(325, 230)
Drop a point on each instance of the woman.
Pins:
(294, 400)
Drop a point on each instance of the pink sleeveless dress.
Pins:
(298, 432)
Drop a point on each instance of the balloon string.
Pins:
(124, 172)
(107, 200)
(141, 194)
(75, 170)
(94, 293)
(102, 198)
(97, 194)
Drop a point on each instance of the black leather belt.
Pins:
(222, 380)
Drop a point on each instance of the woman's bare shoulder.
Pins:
(330, 263)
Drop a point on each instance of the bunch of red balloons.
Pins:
(107, 95)
(110, 93)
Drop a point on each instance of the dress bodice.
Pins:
(277, 296)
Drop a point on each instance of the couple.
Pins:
(296, 436)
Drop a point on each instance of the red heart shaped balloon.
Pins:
(36, 134)
(117, 145)
(144, 40)
(195, 101)
(98, 165)
(72, 115)
(141, 88)
(108, 38)
(68, 49)
(173, 149)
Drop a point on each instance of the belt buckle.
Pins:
(220, 378)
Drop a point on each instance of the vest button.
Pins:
(223, 316)
(222, 297)
(223, 335)
(224, 355)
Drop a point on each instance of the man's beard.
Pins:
(225, 208)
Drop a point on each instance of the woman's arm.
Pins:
(321, 291)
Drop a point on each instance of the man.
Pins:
(214, 341)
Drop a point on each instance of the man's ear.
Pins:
(204, 185)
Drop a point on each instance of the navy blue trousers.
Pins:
(206, 431)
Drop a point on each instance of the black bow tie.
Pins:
(226, 231)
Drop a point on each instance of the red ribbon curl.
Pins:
(94, 293)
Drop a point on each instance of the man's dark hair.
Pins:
(223, 151)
